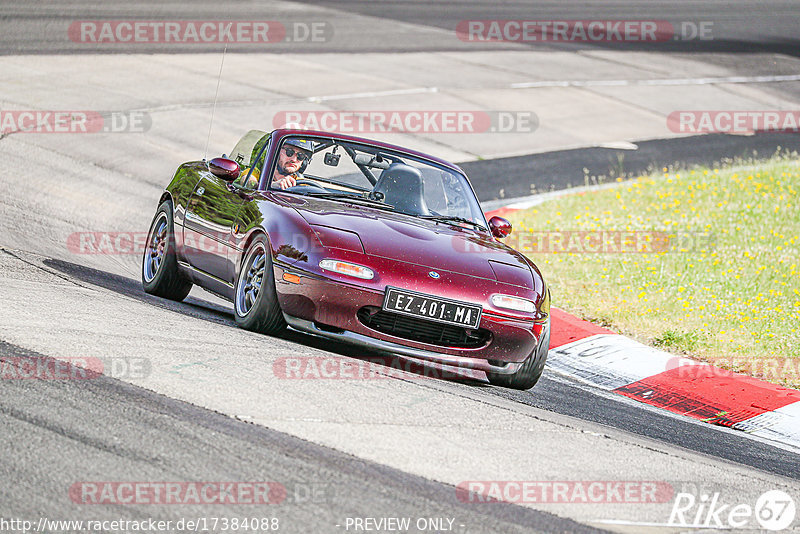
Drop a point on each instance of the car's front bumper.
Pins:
(329, 308)
(394, 348)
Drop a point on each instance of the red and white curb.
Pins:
(612, 362)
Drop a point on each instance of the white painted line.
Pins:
(521, 203)
(374, 94)
(667, 81)
(277, 101)
(619, 145)
(539, 198)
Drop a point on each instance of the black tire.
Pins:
(255, 300)
(530, 372)
(160, 274)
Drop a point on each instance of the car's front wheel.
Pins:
(160, 275)
(527, 375)
(256, 301)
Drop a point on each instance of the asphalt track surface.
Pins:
(741, 26)
(561, 169)
(737, 26)
(58, 432)
(554, 394)
(104, 429)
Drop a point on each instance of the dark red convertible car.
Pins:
(366, 243)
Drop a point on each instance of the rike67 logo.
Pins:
(774, 510)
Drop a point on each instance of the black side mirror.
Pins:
(224, 168)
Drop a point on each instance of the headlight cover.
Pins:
(510, 302)
(348, 269)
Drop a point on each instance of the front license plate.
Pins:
(433, 308)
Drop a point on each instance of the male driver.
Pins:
(293, 158)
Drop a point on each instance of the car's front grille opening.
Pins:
(422, 330)
(328, 328)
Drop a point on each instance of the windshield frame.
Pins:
(346, 142)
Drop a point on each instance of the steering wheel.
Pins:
(308, 182)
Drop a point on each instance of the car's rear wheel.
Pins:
(256, 301)
(160, 274)
(527, 375)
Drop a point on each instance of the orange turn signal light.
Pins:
(293, 278)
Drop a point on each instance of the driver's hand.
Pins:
(285, 183)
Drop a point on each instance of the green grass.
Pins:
(685, 342)
(718, 276)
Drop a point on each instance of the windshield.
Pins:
(384, 178)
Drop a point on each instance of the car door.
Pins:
(207, 232)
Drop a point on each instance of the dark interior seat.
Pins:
(402, 187)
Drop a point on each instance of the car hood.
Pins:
(408, 239)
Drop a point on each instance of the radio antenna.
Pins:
(214, 107)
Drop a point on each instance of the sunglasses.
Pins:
(301, 156)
